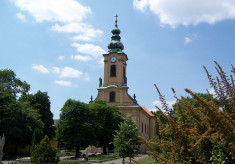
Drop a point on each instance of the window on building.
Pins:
(124, 72)
(113, 71)
(142, 127)
(145, 128)
(111, 96)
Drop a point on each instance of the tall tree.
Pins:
(107, 120)
(41, 102)
(126, 141)
(75, 127)
(18, 120)
(11, 85)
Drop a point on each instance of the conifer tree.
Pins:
(44, 152)
(37, 137)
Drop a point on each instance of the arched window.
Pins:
(142, 127)
(145, 128)
(111, 96)
(124, 72)
(113, 71)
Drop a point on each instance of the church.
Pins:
(114, 89)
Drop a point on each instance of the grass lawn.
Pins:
(147, 160)
(102, 157)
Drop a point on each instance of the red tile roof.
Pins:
(147, 111)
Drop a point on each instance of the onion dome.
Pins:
(115, 45)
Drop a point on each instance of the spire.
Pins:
(115, 45)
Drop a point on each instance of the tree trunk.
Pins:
(77, 151)
(123, 161)
(104, 149)
(16, 149)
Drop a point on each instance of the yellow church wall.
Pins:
(120, 64)
(139, 117)
(121, 96)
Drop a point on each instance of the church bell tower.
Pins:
(114, 89)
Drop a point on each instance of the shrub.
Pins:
(37, 137)
(44, 152)
(200, 129)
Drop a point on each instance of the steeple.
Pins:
(115, 45)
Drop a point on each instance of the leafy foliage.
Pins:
(18, 119)
(75, 127)
(220, 153)
(40, 101)
(44, 152)
(126, 141)
(106, 121)
(37, 137)
(199, 129)
(9, 84)
(161, 119)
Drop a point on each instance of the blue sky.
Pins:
(56, 45)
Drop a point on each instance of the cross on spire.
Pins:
(116, 18)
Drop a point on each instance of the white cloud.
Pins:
(158, 103)
(56, 69)
(70, 73)
(40, 68)
(81, 58)
(68, 17)
(61, 58)
(89, 49)
(188, 12)
(187, 40)
(84, 32)
(64, 83)
(211, 91)
(21, 17)
(54, 10)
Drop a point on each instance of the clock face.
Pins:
(113, 59)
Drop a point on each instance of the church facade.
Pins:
(114, 89)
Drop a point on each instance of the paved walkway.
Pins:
(116, 161)
(119, 161)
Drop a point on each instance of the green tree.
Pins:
(18, 123)
(9, 84)
(126, 141)
(75, 127)
(37, 137)
(17, 119)
(106, 121)
(41, 102)
(44, 152)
